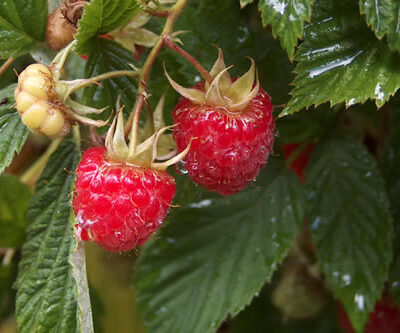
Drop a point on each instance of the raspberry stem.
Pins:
(7, 64)
(295, 154)
(133, 121)
(36, 168)
(203, 72)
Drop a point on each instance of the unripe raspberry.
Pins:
(35, 115)
(38, 103)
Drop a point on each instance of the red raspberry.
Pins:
(119, 205)
(231, 147)
(384, 319)
(300, 162)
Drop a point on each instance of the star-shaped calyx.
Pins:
(222, 91)
(145, 154)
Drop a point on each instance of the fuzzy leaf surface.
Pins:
(286, 18)
(384, 18)
(14, 202)
(350, 224)
(47, 291)
(100, 17)
(22, 25)
(109, 56)
(13, 132)
(341, 60)
(215, 255)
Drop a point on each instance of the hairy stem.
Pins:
(133, 121)
(82, 83)
(203, 72)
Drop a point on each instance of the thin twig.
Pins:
(7, 64)
(203, 72)
(132, 125)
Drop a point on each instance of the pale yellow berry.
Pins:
(35, 115)
(36, 85)
(24, 101)
(53, 124)
(36, 69)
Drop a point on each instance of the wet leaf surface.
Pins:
(341, 60)
(214, 255)
(350, 223)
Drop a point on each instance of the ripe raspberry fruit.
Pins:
(384, 319)
(118, 205)
(121, 195)
(232, 121)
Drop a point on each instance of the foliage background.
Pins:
(206, 265)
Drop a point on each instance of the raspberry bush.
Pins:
(199, 166)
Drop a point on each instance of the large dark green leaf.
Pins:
(13, 133)
(47, 290)
(383, 17)
(286, 18)
(22, 24)
(341, 60)
(109, 56)
(215, 255)
(14, 202)
(350, 224)
(100, 17)
(391, 172)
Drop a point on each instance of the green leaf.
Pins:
(47, 290)
(13, 133)
(342, 61)
(100, 17)
(350, 223)
(286, 18)
(391, 167)
(305, 125)
(383, 17)
(22, 24)
(14, 202)
(215, 255)
(109, 56)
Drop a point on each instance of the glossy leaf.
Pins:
(47, 290)
(342, 61)
(14, 201)
(384, 19)
(109, 56)
(350, 223)
(100, 17)
(13, 133)
(286, 18)
(215, 255)
(22, 25)
(391, 167)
